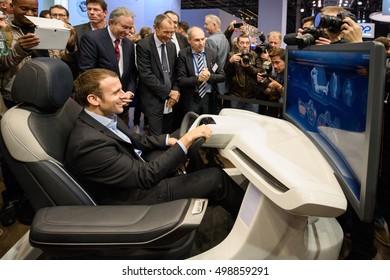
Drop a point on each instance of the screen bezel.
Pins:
(365, 207)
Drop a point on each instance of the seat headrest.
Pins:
(44, 82)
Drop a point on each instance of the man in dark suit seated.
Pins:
(118, 166)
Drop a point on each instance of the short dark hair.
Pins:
(184, 25)
(59, 7)
(89, 82)
(384, 41)
(243, 35)
(306, 19)
(145, 31)
(172, 12)
(43, 13)
(101, 3)
(278, 52)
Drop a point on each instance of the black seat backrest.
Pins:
(35, 133)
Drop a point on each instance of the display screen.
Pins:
(330, 95)
(386, 7)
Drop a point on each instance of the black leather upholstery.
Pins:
(34, 137)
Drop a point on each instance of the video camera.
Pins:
(266, 73)
(263, 47)
(333, 23)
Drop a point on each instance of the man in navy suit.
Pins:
(110, 48)
(158, 89)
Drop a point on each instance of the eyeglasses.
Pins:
(58, 15)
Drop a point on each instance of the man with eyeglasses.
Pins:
(69, 53)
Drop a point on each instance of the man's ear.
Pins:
(93, 99)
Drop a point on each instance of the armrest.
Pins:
(124, 225)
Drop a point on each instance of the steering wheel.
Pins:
(188, 120)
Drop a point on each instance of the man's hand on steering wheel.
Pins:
(198, 132)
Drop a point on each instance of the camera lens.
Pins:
(245, 58)
(331, 22)
(317, 20)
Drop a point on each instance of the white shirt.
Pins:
(120, 62)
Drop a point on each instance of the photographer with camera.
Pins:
(339, 25)
(241, 70)
(307, 23)
(305, 36)
(274, 39)
(272, 86)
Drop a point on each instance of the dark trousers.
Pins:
(211, 183)
(160, 123)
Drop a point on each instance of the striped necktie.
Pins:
(202, 86)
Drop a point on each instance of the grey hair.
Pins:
(214, 19)
(121, 11)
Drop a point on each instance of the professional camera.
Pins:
(333, 23)
(263, 47)
(309, 36)
(266, 73)
(246, 57)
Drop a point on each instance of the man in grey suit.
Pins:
(157, 87)
(97, 13)
(217, 41)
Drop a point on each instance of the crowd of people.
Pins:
(163, 71)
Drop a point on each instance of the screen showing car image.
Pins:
(331, 95)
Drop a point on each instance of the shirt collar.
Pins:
(158, 42)
(110, 123)
(112, 36)
(193, 52)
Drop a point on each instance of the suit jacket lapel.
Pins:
(190, 62)
(209, 61)
(98, 126)
(155, 55)
(109, 47)
(171, 53)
